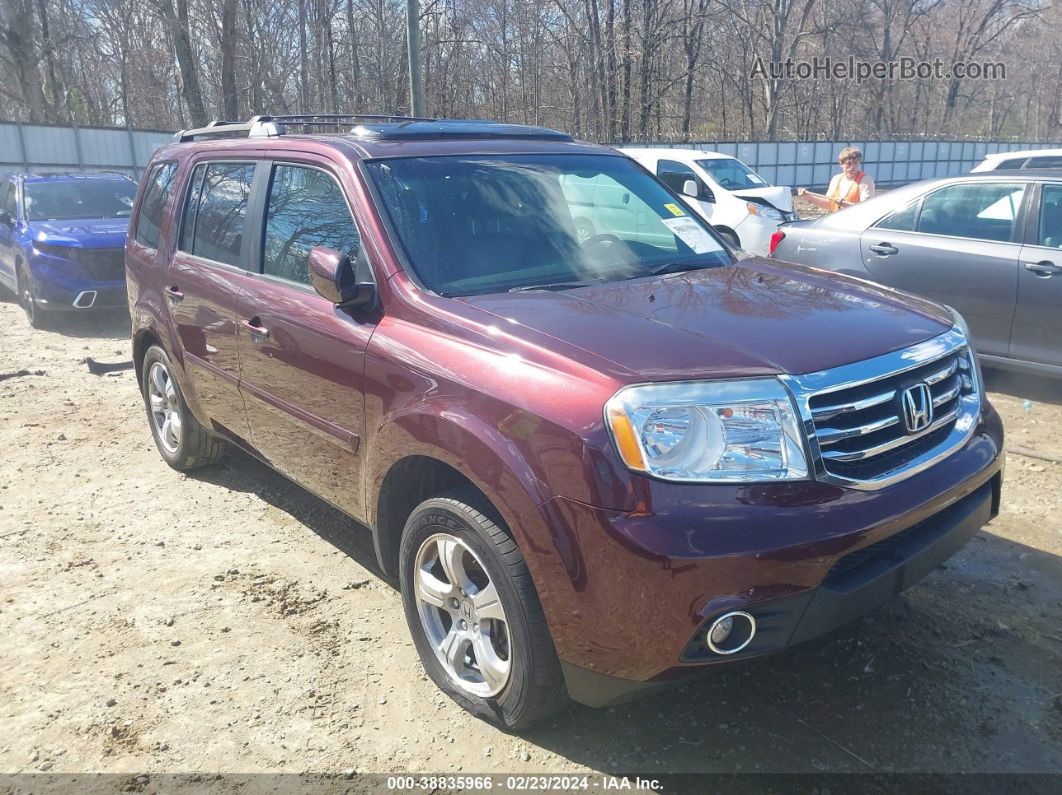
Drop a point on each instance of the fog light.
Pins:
(730, 633)
(721, 630)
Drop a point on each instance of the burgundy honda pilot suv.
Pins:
(598, 449)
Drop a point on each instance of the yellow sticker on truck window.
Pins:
(675, 209)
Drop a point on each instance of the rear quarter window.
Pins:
(157, 193)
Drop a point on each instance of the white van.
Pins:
(740, 204)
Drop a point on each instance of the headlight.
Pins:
(53, 250)
(977, 375)
(762, 211)
(711, 431)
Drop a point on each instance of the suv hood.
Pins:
(780, 196)
(87, 232)
(753, 318)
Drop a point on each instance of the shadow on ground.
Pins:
(1027, 387)
(961, 673)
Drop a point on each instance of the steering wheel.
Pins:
(605, 240)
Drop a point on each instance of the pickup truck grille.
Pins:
(105, 264)
(877, 421)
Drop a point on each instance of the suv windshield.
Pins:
(486, 224)
(52, 201)
(732, 174)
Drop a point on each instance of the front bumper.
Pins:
(637, 591)
(71, 292)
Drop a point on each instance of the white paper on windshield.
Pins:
(687, 230)
(756, 178)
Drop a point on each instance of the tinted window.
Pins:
(977, 210)
(306, 209)
(1014, 162)
(482, 224)
(1052, 161)
(674, 174)
(79, 198)
(7, 198)
(1051, 217)
(157, 194)
(216, 212)
(902, 220)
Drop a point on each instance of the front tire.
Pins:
(475, 617)
(183, 443)
(37, 317)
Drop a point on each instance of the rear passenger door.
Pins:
(204, 284)
(1037, 332)
(958, 245)
(302, 359)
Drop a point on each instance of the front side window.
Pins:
(216, 211)
(484, 224)
(979, 211)
(306, 209)
(901, 220)
(71, 198)
(157, 193)
(732, 174)
(7, 198)
(674, 174)
(1051, 217)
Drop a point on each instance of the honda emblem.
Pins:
(917, 407)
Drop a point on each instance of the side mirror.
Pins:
(6, 219)
(332, 276)
(689, 188)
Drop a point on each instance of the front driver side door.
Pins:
(302, 359)
(1037, 333)
(957, 245)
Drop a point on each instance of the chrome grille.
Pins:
(106, 264)
(856, 416)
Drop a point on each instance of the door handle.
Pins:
(1044, 269)
(884, 249)
(254, 325)
(174, 294)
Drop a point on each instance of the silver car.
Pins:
(987, 244)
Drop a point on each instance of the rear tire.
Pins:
(183, 443)
(519, 682)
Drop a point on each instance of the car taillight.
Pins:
(776, 238)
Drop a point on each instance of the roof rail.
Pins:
(269, 126)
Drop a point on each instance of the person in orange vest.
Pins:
(851, 186)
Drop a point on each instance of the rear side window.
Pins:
(157, 193)
(1051, 217)
(1047, 161)
(215, 215)
(1014, 162)
(306, 209)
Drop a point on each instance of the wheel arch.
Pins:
(434, 454)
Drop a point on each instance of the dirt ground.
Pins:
(229, 621)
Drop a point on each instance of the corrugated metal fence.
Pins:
(51, 148)
(40, 146)
(888, 162)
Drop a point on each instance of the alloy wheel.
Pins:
(165, 407)
(462, 615)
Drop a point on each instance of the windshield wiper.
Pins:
(551, 286)
(682, 265)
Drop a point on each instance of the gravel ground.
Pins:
(229, 621)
